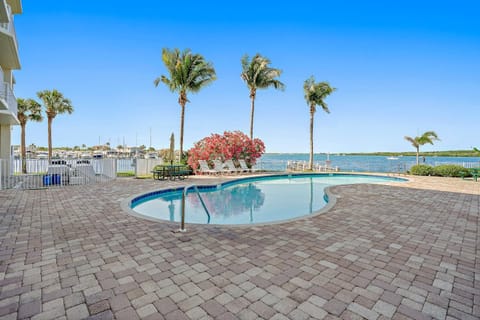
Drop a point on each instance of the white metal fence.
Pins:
(367, 166)
(325, 166)
(350, 165)
(62, 172)
(144, 167)
(468, 165)
(41, 173)
(65, 172)
(353, 166)
(125, 165)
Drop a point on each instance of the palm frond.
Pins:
(316, 93)
(413, 141)
(34, 110)
(29, 109)
(21, 105)
(187, 72)
(257, 74)
(55, 103)
(427, 137)
(245, 61)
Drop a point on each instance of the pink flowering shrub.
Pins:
(231, 145)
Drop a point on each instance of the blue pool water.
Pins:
(250, 200)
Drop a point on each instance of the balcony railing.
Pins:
(7, 95)
(5, 11)
(9, 27)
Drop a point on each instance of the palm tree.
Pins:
(315, 93)
(427, 137)
(54, 103)
(258, 75)
(188, 72)
(28, 109)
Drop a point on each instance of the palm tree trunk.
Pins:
(310, 163)
(182, 120)
(23, 149)
(50, 119)
(418, 153)
(252, 112)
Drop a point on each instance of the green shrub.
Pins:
(421, 170)
(450, 170)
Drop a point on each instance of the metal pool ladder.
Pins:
(184, 194)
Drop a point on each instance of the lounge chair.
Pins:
(244, 167)
(220, 167)
(204, 168)
(231, 166)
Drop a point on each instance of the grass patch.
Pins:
(126, 174)
(148, 176)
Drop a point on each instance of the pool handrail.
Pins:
(184, 194)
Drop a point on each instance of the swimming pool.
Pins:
(249, 200)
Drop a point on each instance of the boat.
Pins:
(151, 155)
(97, 155)
(42, 155)
(392, 158)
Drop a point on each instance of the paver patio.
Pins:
(383, 251)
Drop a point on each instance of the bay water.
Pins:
(361, 163)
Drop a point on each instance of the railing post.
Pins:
(182, 224)
(184, 195)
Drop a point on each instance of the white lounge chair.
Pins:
(204, 168)
(231, 166)
(220, 167)
(243, 166)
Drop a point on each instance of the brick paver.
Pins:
(396, 251)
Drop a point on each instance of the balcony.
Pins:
(4, 14)
(16, 6)
(8, 105)
(8, 42)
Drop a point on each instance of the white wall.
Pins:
(5, 133)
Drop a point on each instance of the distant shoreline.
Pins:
(450, 153)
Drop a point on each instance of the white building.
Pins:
(9, 61)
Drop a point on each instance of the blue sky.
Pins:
(399, 69)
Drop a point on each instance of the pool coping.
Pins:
(125, 204)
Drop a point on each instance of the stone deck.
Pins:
(401, 251)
